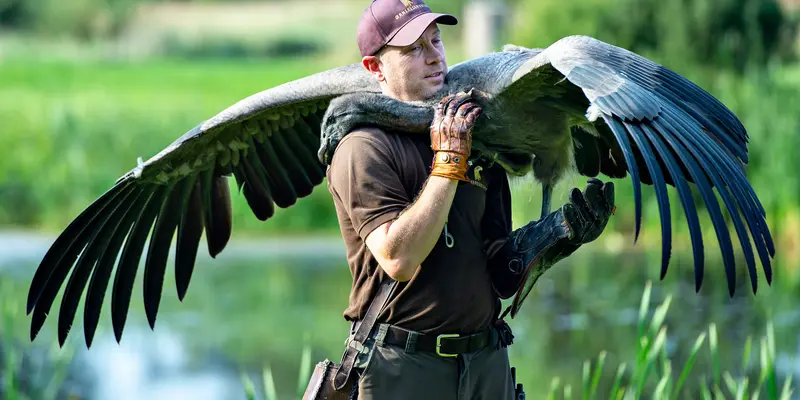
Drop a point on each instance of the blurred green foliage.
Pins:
(83, 19)
(72, 135)
(724, 34)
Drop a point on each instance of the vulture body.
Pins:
(579, 104)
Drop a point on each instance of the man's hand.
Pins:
(534, 248)
(451, 135)
(587, 213)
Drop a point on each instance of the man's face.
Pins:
(414, 72)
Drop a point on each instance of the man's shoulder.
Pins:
(368, 134)
(370, 139)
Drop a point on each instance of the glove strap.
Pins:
(450, 165)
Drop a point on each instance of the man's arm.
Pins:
(401, 245)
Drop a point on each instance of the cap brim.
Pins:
(414, 28)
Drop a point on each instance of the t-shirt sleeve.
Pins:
(363, 174)
(496, 222)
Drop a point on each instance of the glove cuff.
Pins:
(525, 255)
(451, 165)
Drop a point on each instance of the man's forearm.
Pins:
(408, 240)
(402, 245)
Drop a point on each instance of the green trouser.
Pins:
(389, 372)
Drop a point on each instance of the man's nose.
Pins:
(433, 54)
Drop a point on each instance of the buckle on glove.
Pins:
(450, 165)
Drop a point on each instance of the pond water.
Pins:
(263, 300)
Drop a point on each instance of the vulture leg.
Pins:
(547, 195)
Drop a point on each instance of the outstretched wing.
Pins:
(268, 142)
(669, 132)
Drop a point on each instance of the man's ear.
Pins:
(373, 65)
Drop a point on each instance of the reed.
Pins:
(652, 373)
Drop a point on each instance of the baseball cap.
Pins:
(395, 23)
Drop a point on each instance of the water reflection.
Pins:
(258, 306)
(158, 366)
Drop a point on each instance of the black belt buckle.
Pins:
(439, 344)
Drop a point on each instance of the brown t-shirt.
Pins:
(373, 176)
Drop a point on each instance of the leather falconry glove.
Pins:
(540, 244)
(451, 135)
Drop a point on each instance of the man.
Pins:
(413, 209)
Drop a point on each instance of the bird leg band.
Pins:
(450, 165)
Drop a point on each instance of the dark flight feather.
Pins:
(129, 260)
(102, 272)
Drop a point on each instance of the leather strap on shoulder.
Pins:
(362, 332)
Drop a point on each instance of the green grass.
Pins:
(268, 380)
(70, 130)
(654, 374)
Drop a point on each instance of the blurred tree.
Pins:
(82, 19)
(11, 13)
(734, 34)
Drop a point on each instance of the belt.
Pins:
(444, 345)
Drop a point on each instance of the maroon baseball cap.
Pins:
(395, 23)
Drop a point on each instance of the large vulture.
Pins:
(579, 104)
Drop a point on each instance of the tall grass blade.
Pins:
(666, 372)
(59, 370)
(663, 361)
(587, 366)
(742, 389)
(305, 369)
(786, 393)
(554, 385)
(269, 384)
(746, 356)
(772, 379)
(764, 363)
(651, 356)
(712, 344)
(630, 394)
(644, 307)
(658, 394)
(601, 361)
(249, 387)
(615, 389)
(568, 392)
(689, 363)
(704, 389)
(659, 315)
(729, 381)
